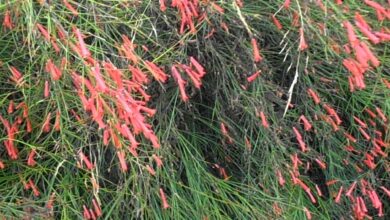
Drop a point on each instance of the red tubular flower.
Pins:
(225, 27)
(365, 28)
(225, 132)
(347, 49)
(300, 140)
(256, 53)
(351, 33)
(46, 123)
(122, 160)
(306, 124)
(361, 57)
(152, 138)
(133, 151)
(150, 112)
(138, 76)
(57, 122)
(293, 178)
(127, 133)
(358, 214)
(61, 32)
(302, 42)
(86, 213)
(307, 190)
(7, 22)
(115, 139)
(314, 96)
(165, 204)
(350, 190)
(387, 83)
(351, 84)
(363, 182)
(240, 3)
(28, 125)
(312, 198)
(362, 204)
(106, 137)
(321, 5)
(150, 170)
(16, 75)
(176, 75)
(11, 107)
(339, 2)
(34, 188)
(199, 68)
(385, 190)
(382, 36)
(84, 52)
(163, 7)
(338, 197)
(370, 113)
(307, 213)
(380, 10)
(280, 178)
(70, 7)
(253, 76)
(86, 161)
(212, 32)
(376, 203)
(9, 142)
(381, 114)
(358, 169)
(218, 8)
(97, 208)
(195, 77)
(295, 21)
(2, 166)
(55, 46)
(50, 202)
(93, 216)
(128, 49)
(30, 161)
(360, 122)
(373, 59)
(158, 160)
(100, 83)
(372, 123)
(26, 185)
(364, 133)
(286, 4)
(248, 143)
(47, 89)
(114, 73)
(54, 71)
(330, 121)
(332, 113)
(264, 120)
(44, 32)
(369, 161)
(276, 22)
(157, 73)
(143, 94)
(295, 160)
(318, 191)
(321, 163)
(371, 36)
(331, 182)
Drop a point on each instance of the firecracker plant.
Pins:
(194, 109)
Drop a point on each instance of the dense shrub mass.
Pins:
(194, 109)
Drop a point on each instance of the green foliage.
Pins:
(206, 173)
